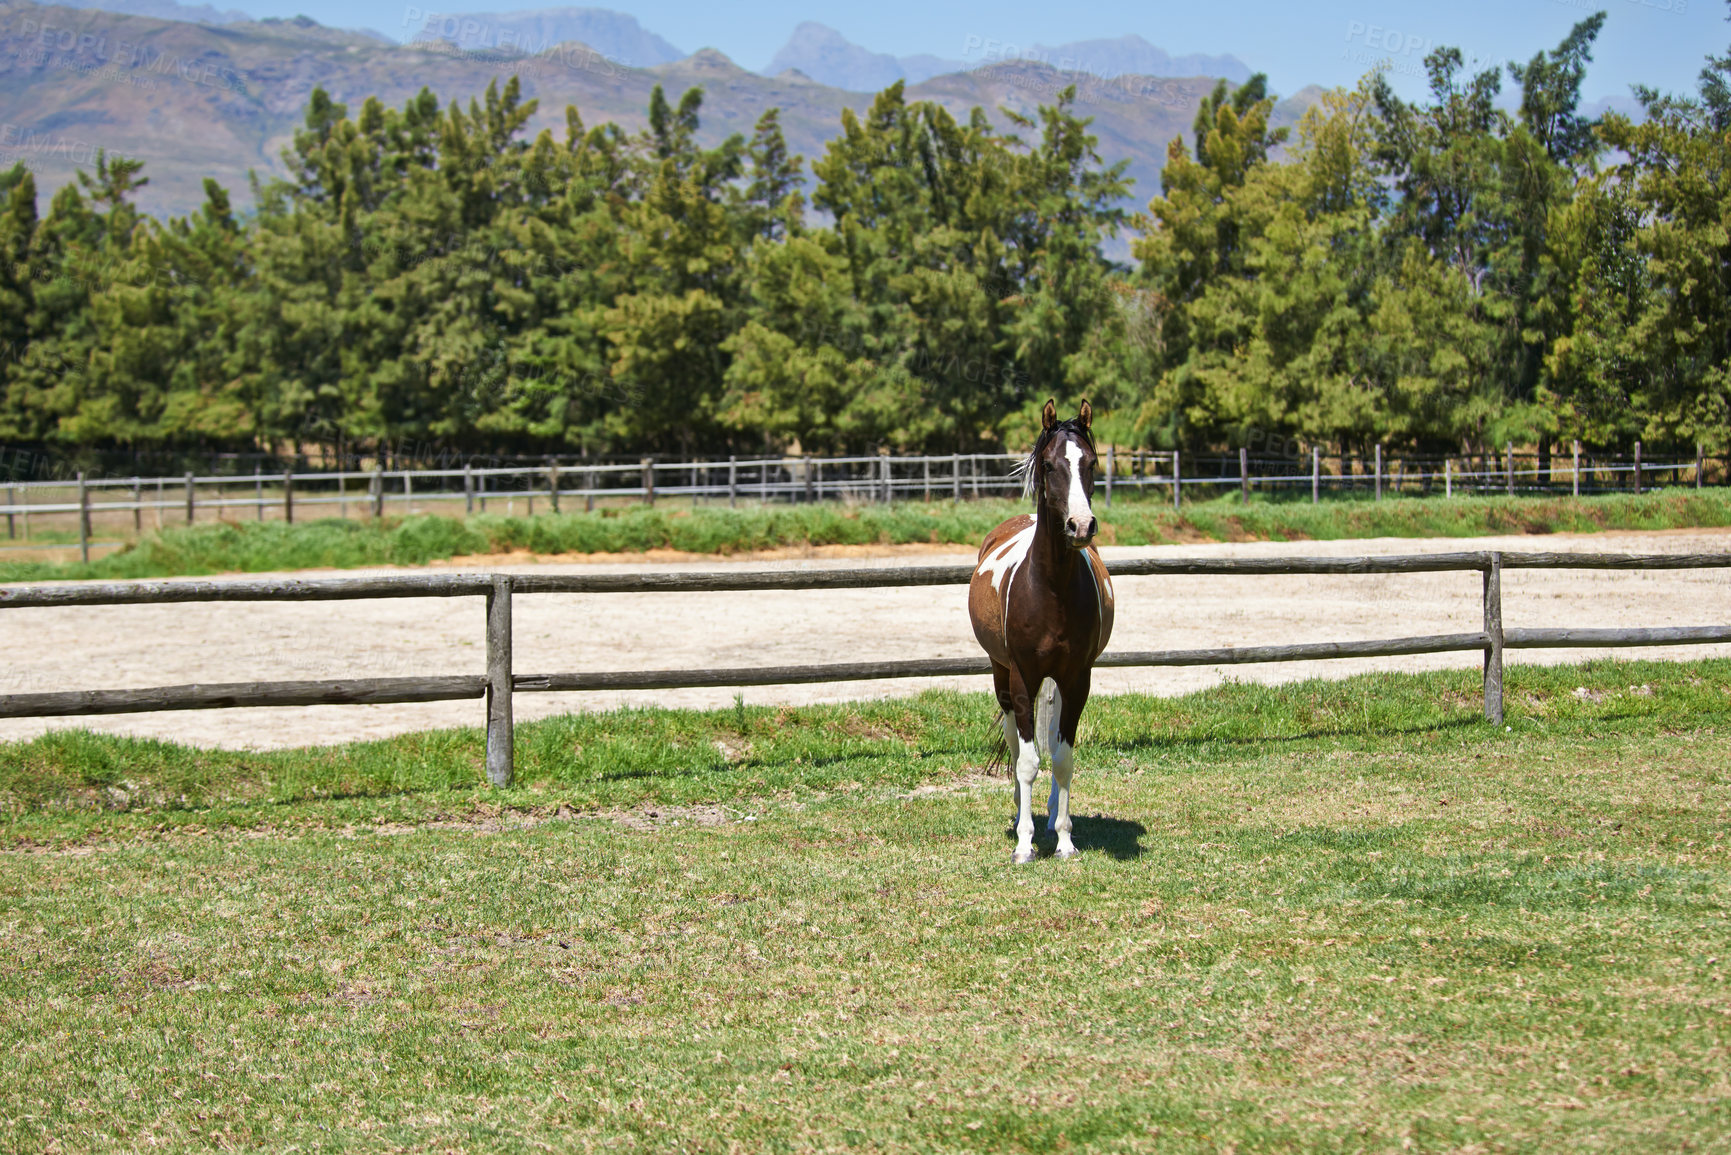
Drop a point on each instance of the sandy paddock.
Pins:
(134, 646)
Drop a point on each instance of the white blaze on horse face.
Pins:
(1008, 556)
(1080, 511)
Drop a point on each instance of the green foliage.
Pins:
(427, 275)
(1445, 276)
(1441, 276)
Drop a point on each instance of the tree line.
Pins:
(1440, 276)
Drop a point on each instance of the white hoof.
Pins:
(1020, 856)
(1067, 852)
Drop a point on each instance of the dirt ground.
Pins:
(134, 646)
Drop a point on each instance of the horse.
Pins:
(1040, 601)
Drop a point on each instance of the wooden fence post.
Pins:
(499, 732)
(1111, 471)
(408, 493)
(189, 499)
(888, 477)
(137, 507)
(926, 473)
(553, 484)
(468, 489)
(1379, 471)
(1315, 475)
(1494, 634)
(288, 496)
(956, 477)
(1509, 468)
(84, 519)
(589, 490)
(1698, 460)
(1577, 469)
(649, 480)
(813, 464)
(1448, 477)
(258, 489)
(1243, 475)
(1637, 469)
(378, 484)
(1177, 482)
(732, 481)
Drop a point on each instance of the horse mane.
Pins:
(1028, 469)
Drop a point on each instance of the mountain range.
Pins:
(164, 10)
(221, 99)
(828, 57)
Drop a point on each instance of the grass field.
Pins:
(1323, 916)
(248, 546)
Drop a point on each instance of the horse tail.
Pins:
(1000, 755)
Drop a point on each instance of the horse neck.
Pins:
(1050, 554)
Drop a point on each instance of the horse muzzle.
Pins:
(1079, 531)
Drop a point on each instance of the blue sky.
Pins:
(1657, 42)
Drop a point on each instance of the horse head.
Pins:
(1059, 473)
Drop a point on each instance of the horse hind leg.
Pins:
(1013, 749)
(1019, 729)
(1027, 769)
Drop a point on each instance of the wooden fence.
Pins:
(500, 681)
(569, 485)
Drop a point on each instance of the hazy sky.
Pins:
(1657, 42)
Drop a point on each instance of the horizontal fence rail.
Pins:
(501, 682)
(725, 581)
(220, 696)
(564, 483)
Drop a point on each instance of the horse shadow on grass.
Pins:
(1150, 743)
(1117, 838)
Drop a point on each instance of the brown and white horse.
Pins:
(1041, 605)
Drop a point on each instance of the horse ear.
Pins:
(1049, 415)
(1085, 415)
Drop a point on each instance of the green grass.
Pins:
(1324, 916)
(334, 543)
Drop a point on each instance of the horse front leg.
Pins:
(1066, 714)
